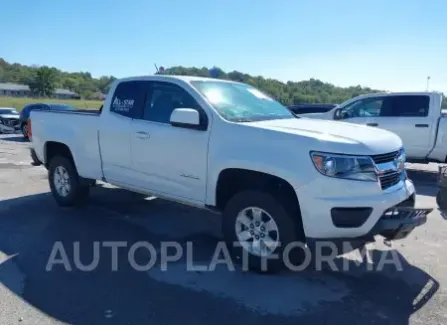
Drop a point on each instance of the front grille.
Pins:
(389, 179)
(384, 158)
(11, 121)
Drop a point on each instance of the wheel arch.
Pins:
(234, 180)
(53, 149)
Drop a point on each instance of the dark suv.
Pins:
(25, 113)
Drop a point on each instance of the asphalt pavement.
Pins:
(33, 228)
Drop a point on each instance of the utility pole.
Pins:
(428, 82)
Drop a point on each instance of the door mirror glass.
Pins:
(337, 114)
(185, 117)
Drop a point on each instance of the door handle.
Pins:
(372, 124)
(143, 135)
(421, 125)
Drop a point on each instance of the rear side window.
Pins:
(406, 106)
(128, 98)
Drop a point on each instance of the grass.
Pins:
(19, 102)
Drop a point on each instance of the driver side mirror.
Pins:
(186, 118)
(338, 114)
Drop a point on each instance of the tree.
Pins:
(70, 83)
(43, 82)
(104, 83)
(80, 82)
(308, 91)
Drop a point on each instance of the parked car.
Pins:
(25, 113)
(310, 108)
(9, 120)
(416, 117)
(227, 147)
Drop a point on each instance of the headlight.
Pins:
(359, 168)
(401, 159)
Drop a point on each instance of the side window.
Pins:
(406, 106)
(163, 99)
(371, 107)
(368, 107)
(128, 98)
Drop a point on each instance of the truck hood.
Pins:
(334, 136)
(9, 116)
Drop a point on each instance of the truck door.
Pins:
(115, 128)
(407, 116)
(170, 160)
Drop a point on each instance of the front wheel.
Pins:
(65, 184)
(260, 233)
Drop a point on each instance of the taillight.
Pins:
(28, 124)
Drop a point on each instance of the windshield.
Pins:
(8, 111)
(241, 103)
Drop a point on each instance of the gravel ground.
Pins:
(31, 225)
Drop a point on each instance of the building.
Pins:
(15, 90)
(65, 94)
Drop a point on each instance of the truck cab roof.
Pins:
(171, 78)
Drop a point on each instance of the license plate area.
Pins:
(403, 220)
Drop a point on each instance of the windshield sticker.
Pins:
(120, 105)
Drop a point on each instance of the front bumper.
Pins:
(9, 129)
(398, 222)
(321, 197)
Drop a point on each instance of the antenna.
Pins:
(156, 68)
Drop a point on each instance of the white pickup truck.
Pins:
(228, 147)
(416, 117)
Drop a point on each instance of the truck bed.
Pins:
(76, 129)
(76, 111)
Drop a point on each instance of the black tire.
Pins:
(24, 129)
(77, 194)
(441, 199)
(287, 228)
(36, 161)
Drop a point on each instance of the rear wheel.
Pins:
(36, 161)
(441, 199)
(65, 184)
(258, 231)
(25, 130)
